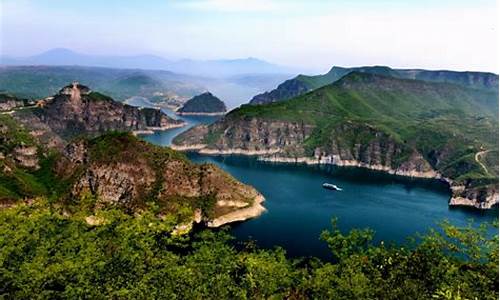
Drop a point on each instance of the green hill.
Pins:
(374, 120)
(205, 103)
(303, 83)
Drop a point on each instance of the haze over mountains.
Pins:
(209, 68)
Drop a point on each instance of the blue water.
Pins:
(299, 209)
(165, 138)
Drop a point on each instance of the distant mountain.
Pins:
(205, 103)
(400, 126)
(210, 68)
(303, 84)
(43, 81)
(158, 86)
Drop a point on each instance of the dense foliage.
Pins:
(45, 254)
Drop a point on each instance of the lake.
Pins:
(299, 209)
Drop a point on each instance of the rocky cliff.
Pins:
(77, 110)
(101, 170)
(120, 170)
(9, 102)
(287, 143)
(117, 170)
(350, 124)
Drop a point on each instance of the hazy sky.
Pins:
(454, 34)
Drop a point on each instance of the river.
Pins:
(299, 209)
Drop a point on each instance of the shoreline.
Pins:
(200, 113)
(242, 214)
(151, 130)
(453, 201)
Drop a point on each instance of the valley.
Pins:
(81, 163)
(371, 121)
(249, 150)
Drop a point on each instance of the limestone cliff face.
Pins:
(348, 144)
(279, 139)
(140, 174)
(253, 136)
(10, 103)
(483, 197)
(77, 110)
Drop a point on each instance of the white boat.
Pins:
(331, 187)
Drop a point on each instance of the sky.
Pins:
(313, 34)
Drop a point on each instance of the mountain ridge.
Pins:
(304, 83)
(213, 68)
(401, 126)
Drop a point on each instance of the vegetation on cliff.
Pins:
(52, 255)
(17, 182)
(114, 170)
(363, 115)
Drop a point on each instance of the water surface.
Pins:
(299, 209)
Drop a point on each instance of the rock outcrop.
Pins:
(122, 171)
(77, 110)
(26, 156)
(9, 102)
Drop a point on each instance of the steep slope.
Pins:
(203, 104)
(20, 166)
(119, 170)
(77, 110)
(400, 126)
(303, 84)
